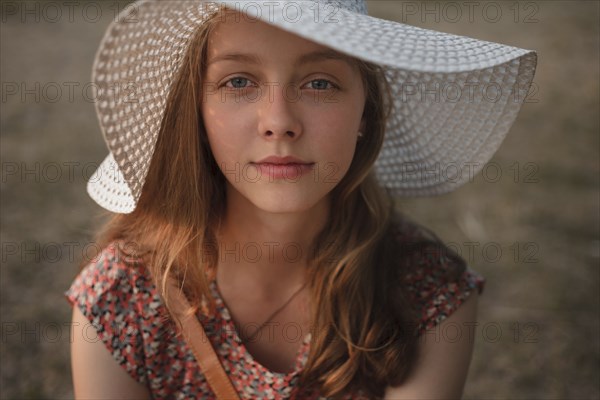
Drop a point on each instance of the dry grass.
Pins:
(553, 300)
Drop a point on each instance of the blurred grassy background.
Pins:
(538, 331)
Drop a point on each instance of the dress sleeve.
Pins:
(105, 292)
(437, 285)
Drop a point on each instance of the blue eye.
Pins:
(242, 83)
(321, 84)
(238, 82)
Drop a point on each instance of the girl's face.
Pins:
(270, 93)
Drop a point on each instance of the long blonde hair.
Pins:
(355, 268)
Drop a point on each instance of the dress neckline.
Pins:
(222, 309)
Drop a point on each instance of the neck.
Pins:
(263, 251)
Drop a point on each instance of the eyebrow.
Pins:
(313, 56)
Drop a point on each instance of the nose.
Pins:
(278, 115)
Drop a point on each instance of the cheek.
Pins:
(337, 127)
(225, 134)
(218, 148)
(335, 142)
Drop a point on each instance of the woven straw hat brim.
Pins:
(433, 143)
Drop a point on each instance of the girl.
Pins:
(254, 160)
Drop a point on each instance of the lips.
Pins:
(286, 167)
(278, 160)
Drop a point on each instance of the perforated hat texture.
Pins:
(454, 97)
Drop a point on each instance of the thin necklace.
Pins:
(273, 314)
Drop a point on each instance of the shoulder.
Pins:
(436, 280)
(119, 302)
(122, 307)
(110, 280)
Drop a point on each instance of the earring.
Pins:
(360, 135)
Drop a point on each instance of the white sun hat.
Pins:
(454, 98)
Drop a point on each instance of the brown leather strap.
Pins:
(201, 347)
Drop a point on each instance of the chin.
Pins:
(280, 199)
(282, 205)
(276, 200)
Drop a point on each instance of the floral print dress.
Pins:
(124, 307)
